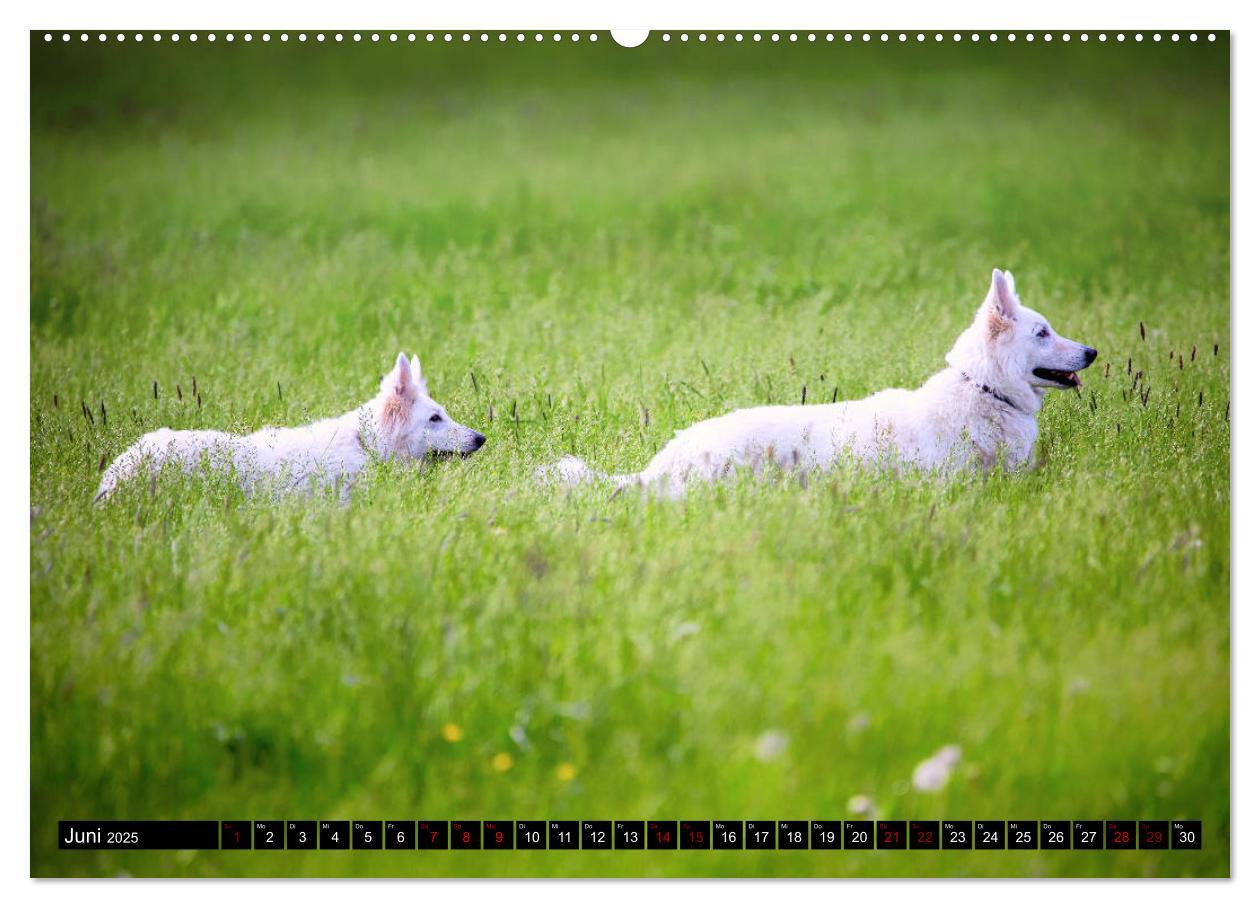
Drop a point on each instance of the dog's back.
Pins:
(188, 448)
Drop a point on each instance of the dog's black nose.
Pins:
(1090, 355)
(478, 440)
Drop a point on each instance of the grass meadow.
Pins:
(590, 247)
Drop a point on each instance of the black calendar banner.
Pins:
(631, 835)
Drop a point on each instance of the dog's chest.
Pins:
(1006, 435)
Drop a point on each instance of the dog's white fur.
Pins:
(979, 412)
(401, 421)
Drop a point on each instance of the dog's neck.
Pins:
(993, 392)
(369, 433)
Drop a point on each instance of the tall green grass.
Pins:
(590, 247)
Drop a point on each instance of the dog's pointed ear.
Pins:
(399, 388)
(419, 376)
(1001, 305)
(401, 379)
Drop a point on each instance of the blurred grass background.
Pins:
(590, 247)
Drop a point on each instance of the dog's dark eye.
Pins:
(436, 417)
(1043, 332)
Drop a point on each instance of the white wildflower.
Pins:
(685, 630)
(933, 773)
(770, 746)
(861, 806)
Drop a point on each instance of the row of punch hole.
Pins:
(702, 37)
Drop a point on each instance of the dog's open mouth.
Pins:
(1066, 379)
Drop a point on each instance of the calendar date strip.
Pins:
(631, 835)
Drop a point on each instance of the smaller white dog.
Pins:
(981, 411)
(402, 421)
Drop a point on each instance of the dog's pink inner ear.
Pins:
(396, 409)
(402, 394)
(996, 323)
(1000, 306)
(402, 376)
(1002, 294)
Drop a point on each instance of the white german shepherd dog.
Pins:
(401, 421)
(980, 412)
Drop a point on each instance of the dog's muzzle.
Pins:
(1068, 378)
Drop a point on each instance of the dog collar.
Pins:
(992, 393)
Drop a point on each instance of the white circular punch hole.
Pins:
(630, 37)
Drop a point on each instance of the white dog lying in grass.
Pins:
(402, 421)
(979, 411)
